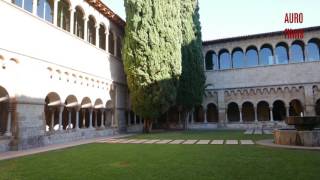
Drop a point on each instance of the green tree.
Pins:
(152, 56)
(192, 81)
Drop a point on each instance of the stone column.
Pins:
(102, 118)
(34, 7)
(288, 111)
(309, 109)
(192, 116)
(179, 116)
(226, 114)
(60, 118)
(241, 118)
(83, 118)
(115, 43)
(97, 34)
(255, 114)
(90, 116)
(77, 118)
(96, 118)
(135, 119)
(205, 116)
(107, 39)
(85, 29)
(271, 114)
(52, 121)
(129, 118)
(69, 118)
(55, 12)
(11, 111)
(71, 10)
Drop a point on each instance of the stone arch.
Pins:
(295, 108)
(225, 61)
(98, 114)
(4, 105)
(248, 114)
(233, 112)
(297, 51)
(279, 110)
(91, 29)
(266, 54)
(251, 57)
(102, 36)
(84, 113)
(211, 61)
(237, 58)
(212, 113)
(78, 22)
(317, 107)
(69, 112)
(263, 111)
(51, 111)
(199, 114)
(63, 17)
(282, 53)
(313, 50)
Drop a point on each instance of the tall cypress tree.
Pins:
(152, 55)
(192, 81)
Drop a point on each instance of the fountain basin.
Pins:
(305, 123)
(297, 138)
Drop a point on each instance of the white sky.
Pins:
(229, 18)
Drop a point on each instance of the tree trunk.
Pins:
(147, 126)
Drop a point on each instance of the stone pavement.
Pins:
(169, 141)
(258, 131)
(15, 154)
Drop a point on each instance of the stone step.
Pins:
(190, 142)
(231, 142)
(217, 142)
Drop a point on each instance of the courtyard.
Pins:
(168, 161)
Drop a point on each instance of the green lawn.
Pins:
(155, 162)
(217, 134)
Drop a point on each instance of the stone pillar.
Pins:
(34, 7)
(51, 128)
(309, 109)
(69, 118)
(97, 34)
(85, 29)
(129, 118)
(241, 118)
(11, 111)
(222, 110)
(84, 118)
(90, 116)
(71, 20)
(192, 116)
(107, 39)
(288, 111)
(55, 12)
(96, 118)
(60, 117)
(179, 116)
(102, 118)
(135, 119)
(77, 118)
(271, 114)
(115, 43)
(205, 116)
(255, 114)
(226, 114)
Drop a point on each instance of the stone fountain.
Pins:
(304, 133)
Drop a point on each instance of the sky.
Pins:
(230, 18)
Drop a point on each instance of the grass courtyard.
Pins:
(153, 161)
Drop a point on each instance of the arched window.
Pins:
(296, 108)
(102, 37)
(296, 51)
(279, 110)
(281, 54)
(252, 58)
(111, 42)
(263, 111)
(313, 50)
(238, 58)
(211, 61)
(119, 47)
(266, 55)
(248, 112)
(45, 10)
(212, 113)
(64, 15)
(91, 30)
(225, 60)
(78, 22)
(233, 112)
(27, 4)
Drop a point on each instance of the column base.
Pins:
(9, 134)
